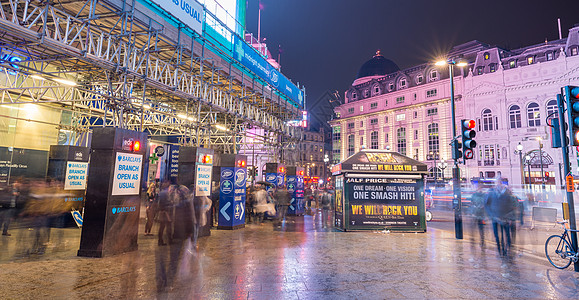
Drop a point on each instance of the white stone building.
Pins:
(509, 93)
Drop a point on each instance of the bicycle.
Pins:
(559, 249)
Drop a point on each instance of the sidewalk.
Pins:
(300, 260)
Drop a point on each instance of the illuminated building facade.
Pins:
(509, 93)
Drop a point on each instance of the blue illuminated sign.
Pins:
(251, 59)
(6, 58)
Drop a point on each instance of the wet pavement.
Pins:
(298, 260)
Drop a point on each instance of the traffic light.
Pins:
(241, 163)
(468, 134)
(546, 175)
(572, 101)
(456, 150)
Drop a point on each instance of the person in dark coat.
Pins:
(500, 208)
(283, 199)
(165, 209)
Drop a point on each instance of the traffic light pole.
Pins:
(567, 170)
(457, 200)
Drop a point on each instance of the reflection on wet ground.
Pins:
(297, 260)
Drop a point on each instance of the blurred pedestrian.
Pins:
(283, 199)
(151, 207)
(260, 206)
(500, 208)
(8, 202)
(165, 208)
(326, 203)
(477, 211)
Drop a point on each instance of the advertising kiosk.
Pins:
(232, 188)
(377, 190)
(295, 186)
(195, 170)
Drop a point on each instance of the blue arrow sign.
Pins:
(223, 211)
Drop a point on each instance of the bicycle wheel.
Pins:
(557, 250)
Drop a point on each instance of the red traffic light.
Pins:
(281, 170)
(241, 163)
(546, 174)
(136, 146)
(470, 124)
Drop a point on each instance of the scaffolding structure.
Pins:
(114, 63)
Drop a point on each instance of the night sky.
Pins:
(324, 42)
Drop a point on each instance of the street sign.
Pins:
(468, 154)
(570, 184)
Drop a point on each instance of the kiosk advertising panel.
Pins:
(339, 210)
(384, 202)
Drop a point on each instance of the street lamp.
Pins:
(520, 152)
(455, 170)
(541, 157)
(326, 160)
(442, 165)
(528, 160)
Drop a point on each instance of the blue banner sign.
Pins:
(252, 60)
(232, 197)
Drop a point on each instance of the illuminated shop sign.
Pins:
(7, 58)
(189, 12)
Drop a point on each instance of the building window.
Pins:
(415, 114)
(386, 119)
(337, 144)
(533, 114)
(433, 75)
(385, 102)
(431, 93)
(402, 83)
(487, 56)
(401, 140)
(361, 108)
(400, 100)
(489, 155)
(351, 147)
(530, 60)
(361, 124)
(549, 55)
(374, 121)
(433, 141)
(401, 117)
(432, 111)
(361, 141)
(386, 138)
(374, 140)
(512, 64)
(351, 125)
(487, 120)
(552, 109)
(479, 70)
(415, 135)
(515, 116)
(374, 105)
(366, 93)
(419, 79)
(376, 90)
(391, 86)
(354, 96)
(350, 110)
(492, 68)
(574, 51)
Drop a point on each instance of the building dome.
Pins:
(378, 65)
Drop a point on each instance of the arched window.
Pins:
(433, 75)
(351, 146)
(402, 83)
(533, 114)
(552, 109)
(487, 118)
(433, 141)
(366, 93)
(401, 140)
(515, 116)
(374, 140)
(354, 96)
(419, 79)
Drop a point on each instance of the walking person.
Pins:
(260, 206)
(151, 207)
(283, 200)
(165, 208)
(326, 203)
(8, 207)
(477, 211)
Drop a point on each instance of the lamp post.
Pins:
(457, 201)
(541, 157)
(326, 160)
(528, 160)
(442, 165)
(520, 152)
